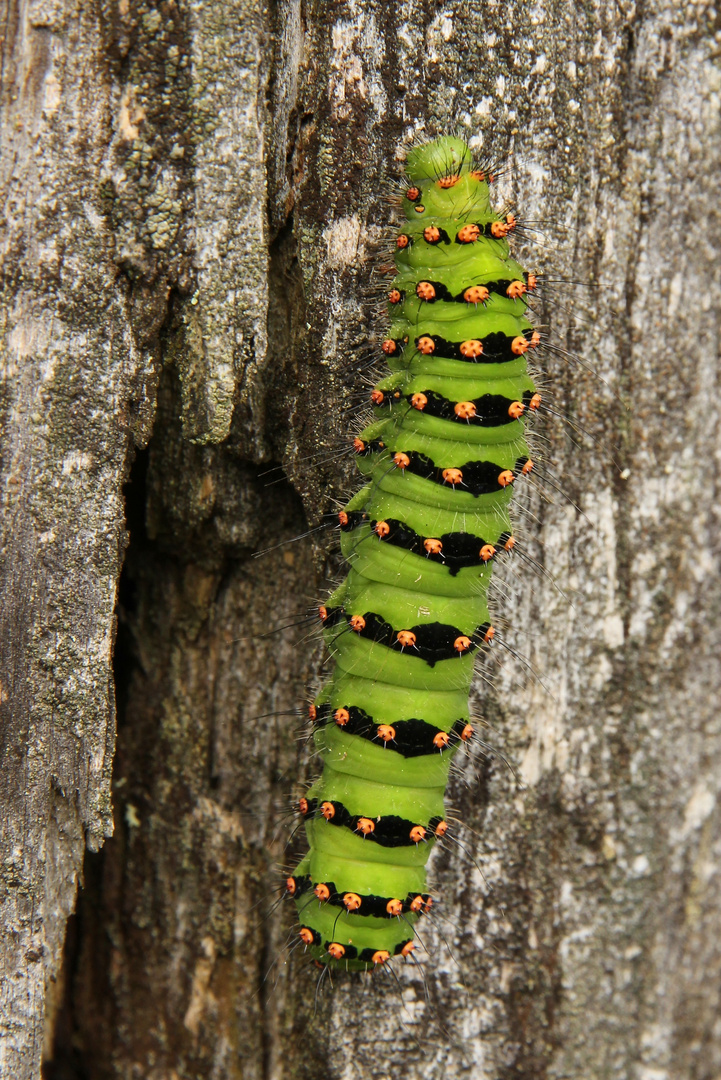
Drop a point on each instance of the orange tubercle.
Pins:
(471, 348)
(468, 233)
(425, 290)
(452, 476)
(476, 294)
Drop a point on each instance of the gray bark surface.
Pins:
(193, 194)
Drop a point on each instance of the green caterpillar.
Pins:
(441, 458)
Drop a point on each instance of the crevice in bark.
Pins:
(196, 789)
(65, 1023)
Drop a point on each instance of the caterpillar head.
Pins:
(442, 157)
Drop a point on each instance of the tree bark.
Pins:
(193, 193)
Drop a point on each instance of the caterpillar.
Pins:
(441, 457)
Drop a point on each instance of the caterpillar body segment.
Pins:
(441, 460)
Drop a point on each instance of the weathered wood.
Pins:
(192, 197)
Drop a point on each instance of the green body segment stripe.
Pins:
(349, 754)
(406, 607)
(412, 363)
(371, 559)
(357, 656)
(373, 799)
(384, 691)
(387, 703)
(434, 518)
(342, 843)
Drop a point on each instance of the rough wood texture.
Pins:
(189, 193)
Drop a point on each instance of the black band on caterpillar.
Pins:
(475, 477)
(455, 550)
(386, 831)
(433, 234)
(472, 292)
(489, 410)
(339, 952)
(494, 348)
(432, 642)
(409, 738)
(379, 907)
